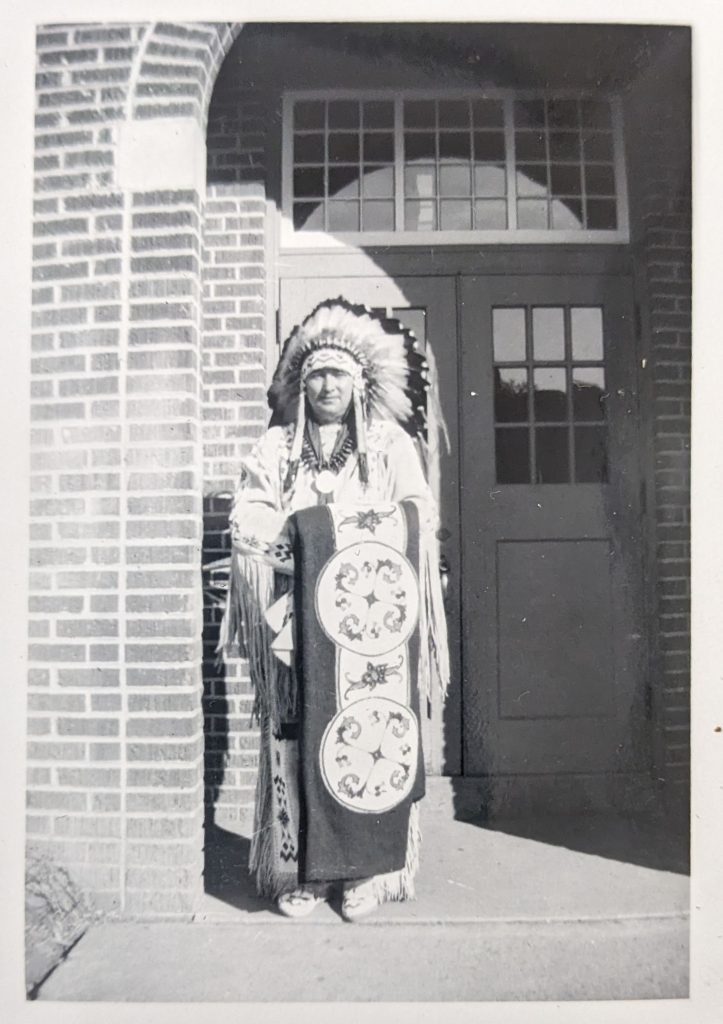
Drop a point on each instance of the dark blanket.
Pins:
(357, 596)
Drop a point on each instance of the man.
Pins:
(336, 601)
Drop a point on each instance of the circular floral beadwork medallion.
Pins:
(369, 755)
(367, 598)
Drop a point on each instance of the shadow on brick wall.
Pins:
(216, 546)
(230, 743)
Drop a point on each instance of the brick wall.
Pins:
(75, 755)
(115, 748)
(668, 254)
(234, 413)
(661, 156)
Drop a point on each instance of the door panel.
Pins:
(552, 615)
(427, 306)
(552, 589)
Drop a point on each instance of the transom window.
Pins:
(500, 166)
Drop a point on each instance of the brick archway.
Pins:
(175, 68)
(115, 753)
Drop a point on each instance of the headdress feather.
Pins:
(396, 375)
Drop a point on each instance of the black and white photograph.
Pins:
(357, 628)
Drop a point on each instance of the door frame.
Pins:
(460, 261)
(451, 260)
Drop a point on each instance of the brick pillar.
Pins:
(115, 749)
(75, 750)
(659, 137)
(161, 510)
(668, 256)
(234, 414)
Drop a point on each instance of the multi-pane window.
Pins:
(496, 165)
(565, 164)
(549, 377)
(454, 165)
(343, 160)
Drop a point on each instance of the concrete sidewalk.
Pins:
(559, 909)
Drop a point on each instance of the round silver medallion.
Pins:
(325, 482)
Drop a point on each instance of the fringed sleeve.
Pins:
(258, 523)
(261, 550)
(408, 482)
(251, 590)
(435, 654)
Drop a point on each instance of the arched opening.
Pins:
(244, 210)
(537, 373)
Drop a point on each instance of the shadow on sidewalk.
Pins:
(226, 872)
(645, 842)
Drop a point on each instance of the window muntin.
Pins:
(343, 165)
(454, 157)
(565, 164)
(508, 166)
(549, 395)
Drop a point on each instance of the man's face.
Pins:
(329, 393)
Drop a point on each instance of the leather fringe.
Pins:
(434, 654)
(399, 885)
(261, 856)
(252, 589)
(273, 873)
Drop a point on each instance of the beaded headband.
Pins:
(334, 359)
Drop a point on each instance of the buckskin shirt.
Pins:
(353, 660)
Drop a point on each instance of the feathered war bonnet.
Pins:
(390, 373)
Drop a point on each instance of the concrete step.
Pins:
(548, 909)
(631, 959)
(565, 869)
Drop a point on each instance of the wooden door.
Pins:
(554, 653)
(541, 517)
(427, 305)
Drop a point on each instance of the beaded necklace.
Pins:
(312, 454)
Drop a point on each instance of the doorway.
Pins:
(541, 515)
